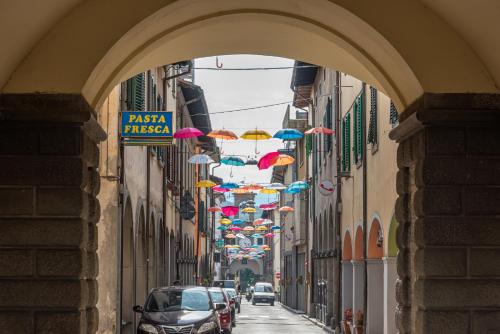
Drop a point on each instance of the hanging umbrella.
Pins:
(230, 236)
(230, 210)
(288, 134)
(258, 221)
(240, 191)
(187, 133)
(267, 160)
(261, 228)
(253, 186)
(241, 236)
(237, 222)
(267, 222)
(292, 190)
(225, 221)
(256, 235)
(277, 186)
(235, 228)
(223, 134)
(222, 228)
(268, 191)
(249, 210)
(275, 228)
(286, 209)
(283, 160)
(269, 235)
(268, 209)
(268, 205)
(248, 228)
(255, 135)
(299, 185)
(228, 246)
(251, 162)
(213, 209)
(205, 184)
(229, 185)
(200, 159)
(220, 190)
(318, 130)
(232, 161)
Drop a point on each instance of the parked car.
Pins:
(179, 310)
(219, 296)
(234, 300)
(225, 284)
(263, 293)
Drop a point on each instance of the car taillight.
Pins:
(231, 302)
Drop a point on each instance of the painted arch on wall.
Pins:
(347, 247)
(392, 247)
(358, 244)
(375, 250)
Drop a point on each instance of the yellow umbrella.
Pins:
(261, 228)
(225, 221)
(240, 191)
(256, 135)
(205, 184)
(283, 160)
(249, 210)
(268, 191)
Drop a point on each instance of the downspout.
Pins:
(164, 194)
(121, 179)
(365, 207)
(148, 188)
(338, 203)
(313, 206)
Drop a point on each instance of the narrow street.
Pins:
(265, 319)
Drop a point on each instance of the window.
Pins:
(372, 128)
(358, 130)
(346, 143)
(393, 115)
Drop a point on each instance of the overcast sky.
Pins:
(227, 90)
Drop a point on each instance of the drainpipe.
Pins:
(365, 207)
(338, 203)
(313, 207)
(121, 180)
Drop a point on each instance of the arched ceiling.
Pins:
(403, 47)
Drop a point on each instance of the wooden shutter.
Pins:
(393, 115)
(373, 128)
(346, 143)
(358, 129)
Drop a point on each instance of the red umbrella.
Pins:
(319, 129)
(220, 190)
(268, 206)
(268, 160)
(230, 210)
(187, 133)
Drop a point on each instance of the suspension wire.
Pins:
(254, 68)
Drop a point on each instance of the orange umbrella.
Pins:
(258, 221)
(283, 160)
(253, 186)
(223, 134)
(240, 191)
(214, 209)
(286, 209)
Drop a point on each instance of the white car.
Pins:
(263, 293)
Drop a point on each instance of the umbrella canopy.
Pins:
(225, 221)
(288, 134)
(269, 235)
(241, 236)
(235, 228)
(232, 161)
(267, 160)
(268, 209)
(267, 206)
(223, 134)
(256, 235)
(240, 191)
(237, 222)
(220, 190)
(230, 236)
(248, 228)
(251, 162)
(205, 184)
(229, 185)
(253, 186)
(299, 185)
(249, 210)
(213, 209)
(256, 135)
(222, 228)
(318, 130)
(268, 191)
(258, 221)
(286, 209)
(187, 133)
(277, 186)
(283, 160)
(261, 228)
(267, 222)
(230, 210)
(292, 190)
(200, 159)
(275, 228)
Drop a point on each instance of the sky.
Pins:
(228, 90)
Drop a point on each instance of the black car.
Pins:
(179, 310)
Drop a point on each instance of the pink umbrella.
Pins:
(269, 235)
(267, 160)
(235, 228)
(229, 210)
(187, 133)
(268, 206)
(319, 129)
(220, 190)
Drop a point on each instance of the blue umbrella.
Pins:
(256, 235)
(288, 134)
(229, 185)
(232, 161)
(237, 222)
(274, 228)
(292, 190)
(299, 185)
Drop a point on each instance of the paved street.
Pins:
(265, 319)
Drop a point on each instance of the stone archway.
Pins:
(254, 265)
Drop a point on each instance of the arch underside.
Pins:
(402, 61)
(256, 267)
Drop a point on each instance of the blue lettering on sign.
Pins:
(157, 124)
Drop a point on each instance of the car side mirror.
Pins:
(138, 309)
(220, 306)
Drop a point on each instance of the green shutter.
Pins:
(346, 143)
(358, 129)
(138, 92)
(373, 128)
(309, 144)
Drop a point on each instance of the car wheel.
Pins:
(272, 303)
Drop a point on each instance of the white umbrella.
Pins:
(277, 186)
(200, 159)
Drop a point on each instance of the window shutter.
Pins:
(309, 144)
(372, 129)
(138, 92)
(327, 122)
(346, 143)
(393, 115)
(358, 129)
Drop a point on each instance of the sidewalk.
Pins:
(313, 320)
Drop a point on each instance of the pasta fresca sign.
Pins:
(147, 127)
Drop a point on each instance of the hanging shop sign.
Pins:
(326, 187)
(146, 128)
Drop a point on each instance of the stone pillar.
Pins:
(358, 279)
(346, 297)
(390, 275)
(375, 321)
(448, 212)
(48, 214)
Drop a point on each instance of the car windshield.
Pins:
(263, 288)
(176, 300)
(217, 297)
(231, 293)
